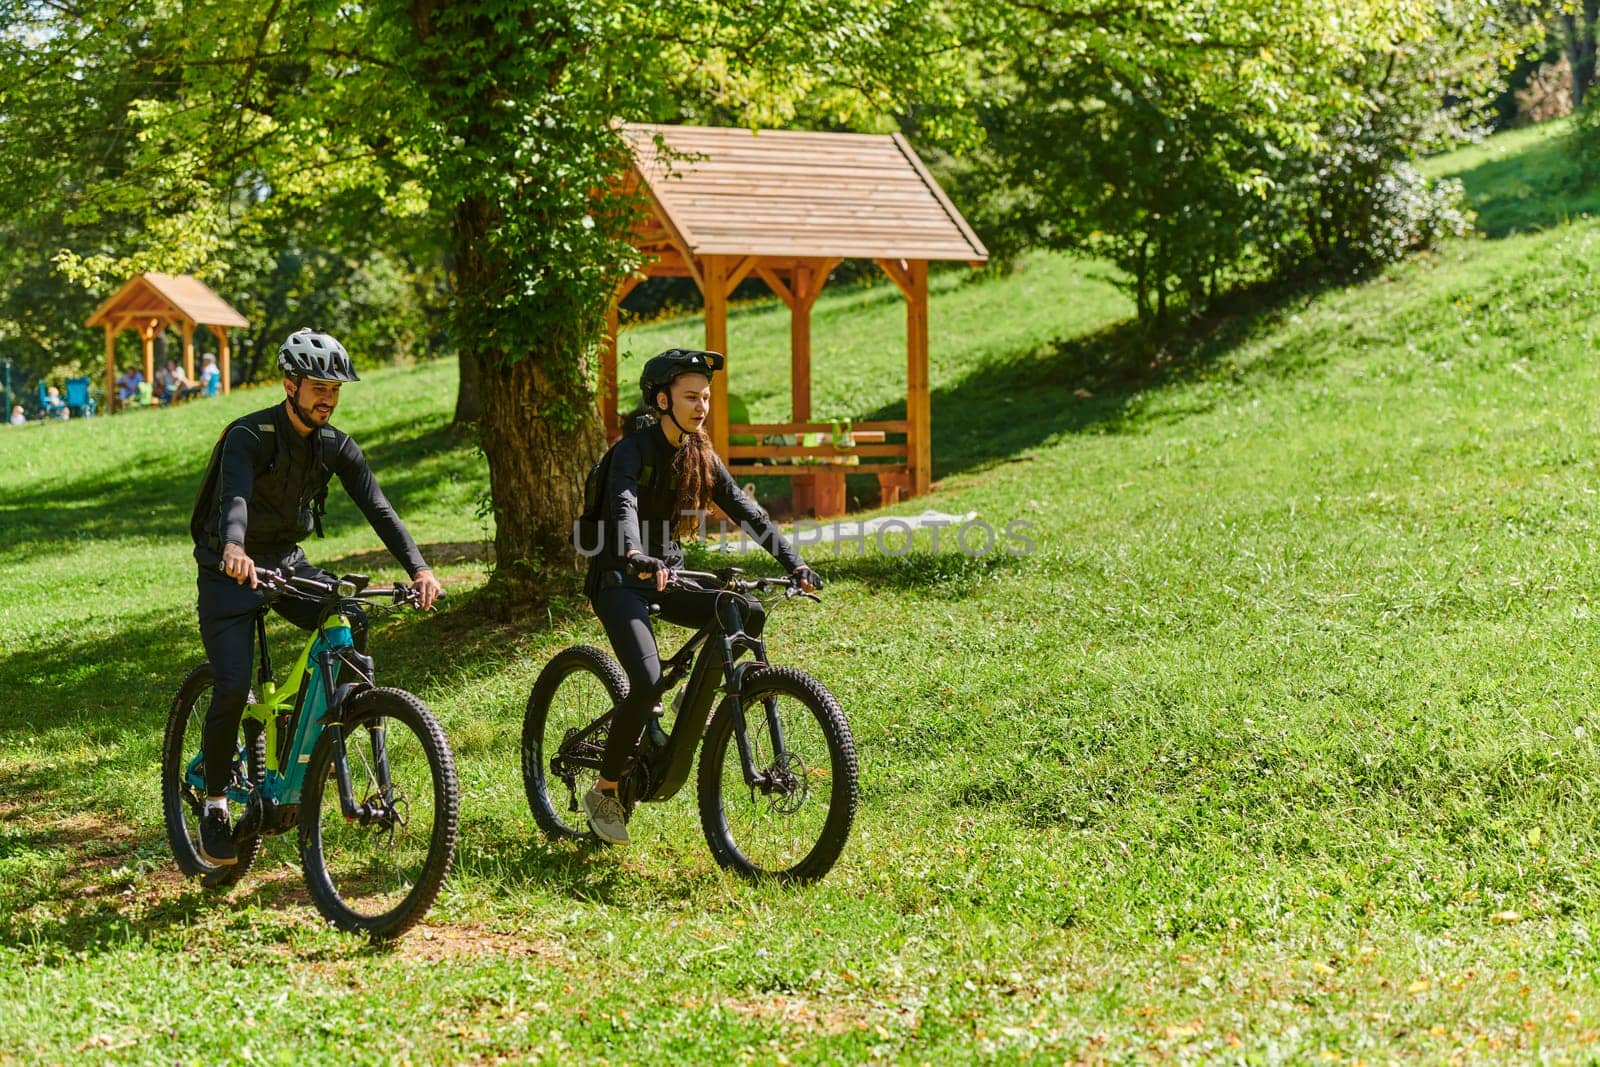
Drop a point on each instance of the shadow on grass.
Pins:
(945, 575)
(82, 881)
(1535, 188)
(156, 500)
(108, 688)
(1002, 408)
(116, 885)
(584, 871)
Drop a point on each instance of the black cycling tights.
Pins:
(624, 610)
(228, 613)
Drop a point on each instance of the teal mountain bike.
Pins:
(363, 772)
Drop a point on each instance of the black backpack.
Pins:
(587, 536)
(203, 519)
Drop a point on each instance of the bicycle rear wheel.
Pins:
(379, 872)
(183, 801)
(578, 686)
(792, 823)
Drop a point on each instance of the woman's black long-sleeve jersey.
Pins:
(641, 501)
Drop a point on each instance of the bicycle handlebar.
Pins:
(278, 582)
(728, 578)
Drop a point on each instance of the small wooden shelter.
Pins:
(789, 207)
(151, 302)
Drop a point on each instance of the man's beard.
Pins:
(306, 417)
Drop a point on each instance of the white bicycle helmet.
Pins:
(309, 353)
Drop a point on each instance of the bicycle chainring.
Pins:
(637, 785)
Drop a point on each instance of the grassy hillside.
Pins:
(1280, 746)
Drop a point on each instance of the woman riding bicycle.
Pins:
(660, 480)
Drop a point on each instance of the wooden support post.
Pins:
(188, 350)
(715, 275)
(608, 375)
(806, 284)
(802, 285)
(223, 364)
(919, 407)
(610, 408)
(148, 334)
(897, 270)
(111, 367)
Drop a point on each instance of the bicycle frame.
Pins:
(712, 651)
(297, 713)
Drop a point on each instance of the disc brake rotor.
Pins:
(791, 784)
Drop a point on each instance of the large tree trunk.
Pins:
(1582, 27)
(537, 462)
(539, 423)
(526, 321)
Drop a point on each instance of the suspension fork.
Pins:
(348, 806)
(741, 737)
(769, 779)
(753, 775)
(378, 734)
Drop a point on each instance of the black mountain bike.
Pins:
(778, 783)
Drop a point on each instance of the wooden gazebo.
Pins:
(789, 207)
(151, 302)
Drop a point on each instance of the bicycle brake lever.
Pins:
(409, 596)
(267, 579)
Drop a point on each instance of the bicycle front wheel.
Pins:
(788, 814)
(183, 801)
(379, 869)
(562, 740)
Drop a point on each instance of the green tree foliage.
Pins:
(107, 173)
(1203, 145)
(494, 119)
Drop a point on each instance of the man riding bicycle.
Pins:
(660, 481)
(263, 492)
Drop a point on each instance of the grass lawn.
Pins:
(1280, 746)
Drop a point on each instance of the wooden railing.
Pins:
(820, 482)
(871, 443)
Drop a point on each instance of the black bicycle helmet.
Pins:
(311, 354)
(660, 370)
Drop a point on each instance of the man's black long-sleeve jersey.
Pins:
(267, 479)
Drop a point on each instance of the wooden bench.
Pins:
(817, 471)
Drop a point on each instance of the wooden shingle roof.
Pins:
(783, 193)
(167, 296)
